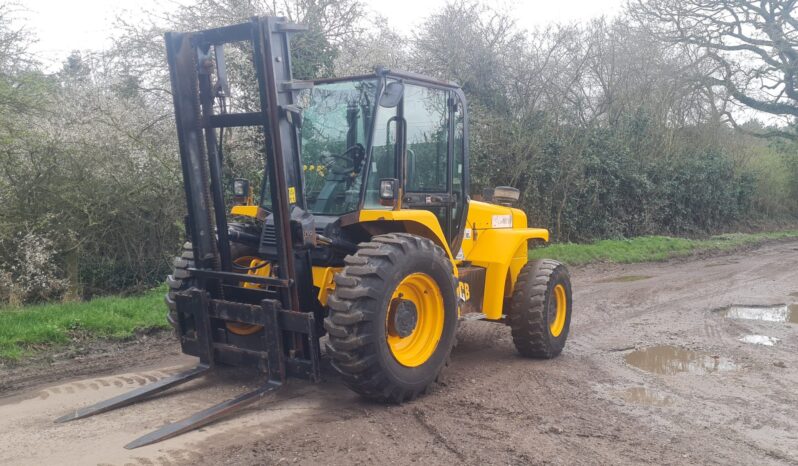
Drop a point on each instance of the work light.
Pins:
(240, 187)
(506, 195)
(387, 189)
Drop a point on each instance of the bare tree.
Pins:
(378, 46)
(471, 44)
(751, 46)
(15, 39)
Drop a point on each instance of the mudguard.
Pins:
(502, 252)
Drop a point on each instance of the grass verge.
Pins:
(650, 248)
(28, 329)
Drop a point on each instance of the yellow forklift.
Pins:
(362, 231)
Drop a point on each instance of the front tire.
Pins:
(540, 309)
(178, 281)
(181, 279)
(393, 317)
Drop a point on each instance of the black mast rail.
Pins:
(290, 344)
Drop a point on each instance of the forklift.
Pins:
(361, 234)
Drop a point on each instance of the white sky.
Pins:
(62, 26)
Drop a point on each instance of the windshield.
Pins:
(336, 119)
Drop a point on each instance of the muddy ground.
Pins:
(706, 398)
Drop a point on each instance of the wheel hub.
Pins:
(414, 320)
(404, 317)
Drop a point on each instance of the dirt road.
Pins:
(706, 397)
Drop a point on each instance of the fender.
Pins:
(419, 222)
(502, 252)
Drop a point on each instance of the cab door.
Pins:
(430, 173)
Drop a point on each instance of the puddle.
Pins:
(625, 278)
(644, 396)
(779, 313)
(668, 360)
(760, 340)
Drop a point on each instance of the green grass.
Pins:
(25, 330)
(649, 248)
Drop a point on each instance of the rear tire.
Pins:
(540, 309)
(383, 346)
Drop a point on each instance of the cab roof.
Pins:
(381, 72)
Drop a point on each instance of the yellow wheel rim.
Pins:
(265, 270)
(416, 348)
(561, 302)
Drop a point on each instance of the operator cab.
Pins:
(388, 130)
(385, 141)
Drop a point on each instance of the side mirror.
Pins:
(392, 94)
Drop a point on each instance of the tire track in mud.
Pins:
(89, 440)
(421, 417)
(103, 357)
(130, 382)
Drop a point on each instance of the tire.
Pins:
(178, 281)
(542, 285)
(380, 354)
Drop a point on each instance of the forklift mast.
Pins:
(193, 57)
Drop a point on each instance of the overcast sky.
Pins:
(62, 26)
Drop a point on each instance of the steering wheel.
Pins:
(353, 162)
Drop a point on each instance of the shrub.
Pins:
(30, 273)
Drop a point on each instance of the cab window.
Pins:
(426, 112)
